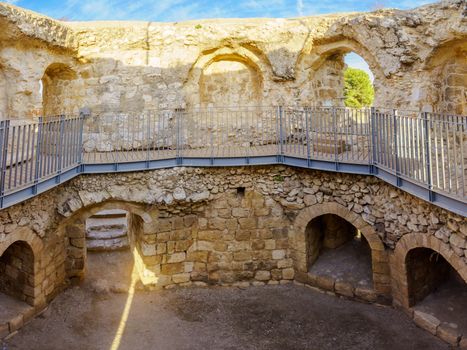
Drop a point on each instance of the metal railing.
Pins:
(425, 148)
(35, 150)
(430, 149)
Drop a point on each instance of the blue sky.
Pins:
(178, 10)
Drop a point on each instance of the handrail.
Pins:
(406, 148)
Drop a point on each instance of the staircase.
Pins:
(107, 231)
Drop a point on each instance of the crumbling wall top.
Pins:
(18, 23)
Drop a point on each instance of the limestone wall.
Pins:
(229, 226)
(135, 66)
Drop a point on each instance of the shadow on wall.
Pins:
(449, 77)
(60, 90)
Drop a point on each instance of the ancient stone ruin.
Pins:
(224, 152)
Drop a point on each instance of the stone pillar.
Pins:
(75, 237)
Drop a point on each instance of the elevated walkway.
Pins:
(424, 154)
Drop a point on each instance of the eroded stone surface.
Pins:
(416, 57)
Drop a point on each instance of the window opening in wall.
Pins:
(241, 191)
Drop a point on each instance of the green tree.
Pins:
(358, 89)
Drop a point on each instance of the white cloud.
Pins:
(177, 10)
(300, 7)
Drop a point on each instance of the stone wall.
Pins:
(136, 66)
(201, 226)
(231, 226)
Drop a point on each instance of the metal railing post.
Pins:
(60, 147)
(178, 156)
(211, 142)
(148, 138)
(334, 122)
(84, 113)
(4, 132)
(427, 126)
(307, 128)
(396, 146)
(38, 157)
(372, 148)
(281, 135)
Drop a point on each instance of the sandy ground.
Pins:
(275, 317)
(90, 316)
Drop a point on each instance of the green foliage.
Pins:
(358, 89)
(278, 178)
(198, 26)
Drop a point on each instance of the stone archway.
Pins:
(398, 262)
(217, 75)
(74, 231)
(300, 251)
(57, 90)
(447, 76)
(320, 70)
(23, 244)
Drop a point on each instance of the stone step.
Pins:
(103, 234)
(99, 224)
(107, 244)
(103, 228)
(110, 213)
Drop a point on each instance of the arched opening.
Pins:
(341, 78)
(337, 250)
(435, 288)
(17, 271)
(16, 282)
(321, 71)
(226, 88)
(340, 74)
(230, 81)
(453, 80)
(446, 72)
(58, 90)
(113, 229)
(359, 90)
(108, 245)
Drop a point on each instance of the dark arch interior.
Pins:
(437, 289)
(16, 282)
(17, 271)
(426, 270)
(336, 248)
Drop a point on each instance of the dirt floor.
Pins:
(351, 262)
(11, 307)
(448, 304)
(93, 316)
